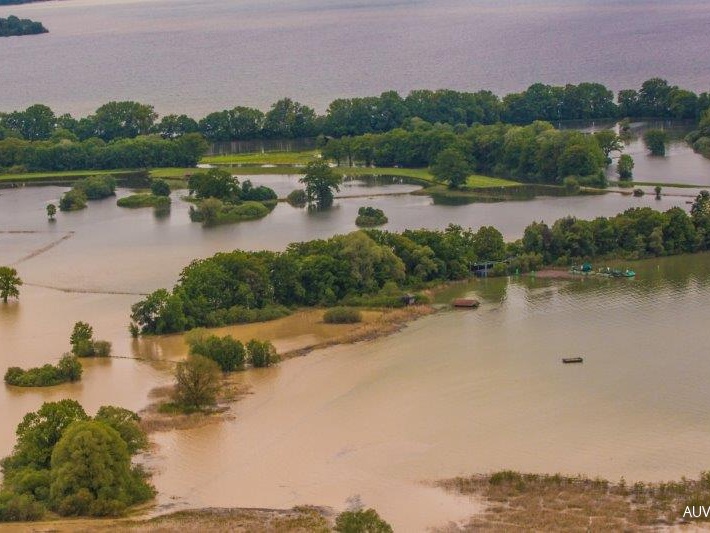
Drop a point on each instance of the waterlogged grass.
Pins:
(263, 158)
(422, 174)
(540, 502)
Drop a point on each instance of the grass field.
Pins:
(263, 158)
(70, 175)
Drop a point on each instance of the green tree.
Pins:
(73, 200)
(35, 123)
(361, 521)
(160, 312)
(227, 352)
(320, 182)
(81, 339)
(655, 141)
(9, 283)
(215, 183)
(261, 353)
(608, 141)
(197, 382)
(289, 119)
(91, 472)
(120, 120)
(126, 423)
(51, 211)
(625, 167)
(451, 166)
(39, 431)
(489, 244)
(657, 189)
(159, 187)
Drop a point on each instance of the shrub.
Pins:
(100, 483)
(73, 200)
(361, 521)
(342, 315)
(143, 200)
(571, 185)
(102, 348)
(19, 508)
(297, 198)
(197, 383)
(261, 353)
(160, 187)
(67, 370)
(97, 187)
(370, 216)
(227, 352)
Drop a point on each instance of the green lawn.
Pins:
(70, 175)
(263, 158)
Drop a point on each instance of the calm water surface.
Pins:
(253, 52)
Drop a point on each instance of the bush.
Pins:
(102, 348)
(571, 185)
(261, 353)
(256, 194)
(297, 198)
(160, 187)
(342, 315)
(655, 141)
(91, 472)
(73, 200)
(243, 315)
(19, 508)
(67, 370)
(213, 211)
(361, 521)
(197, 383)
(143, 200)
(227, 352)
(97, 187)
(370, 216)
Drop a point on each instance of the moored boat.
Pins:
(568, 360)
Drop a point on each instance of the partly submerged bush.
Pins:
(67, 370)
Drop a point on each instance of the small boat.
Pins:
(567, 360)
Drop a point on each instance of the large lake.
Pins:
(197, 56)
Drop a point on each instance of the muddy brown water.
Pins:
(454, 393)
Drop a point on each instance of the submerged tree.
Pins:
(51, 211)
(625, 167)
(9, 283)
(320, 182)
(655, 141)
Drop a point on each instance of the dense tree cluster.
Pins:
(370, 216)
(67, 370)
(229, 353)
(13, 26)
(91, 188)
(534, 153)
(73, 465)
(374, 267)
(60, 154)
(221, 199)
(700, 138)
(358, 116)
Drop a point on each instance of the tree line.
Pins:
(376, 267)
(534, 153)
(288, 119)
(62, 153)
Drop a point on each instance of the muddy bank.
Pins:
(299, 519)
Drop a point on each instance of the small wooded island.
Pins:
(13, 26)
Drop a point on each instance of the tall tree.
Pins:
(320, 182)
(9, 283)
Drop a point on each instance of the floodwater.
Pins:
(471, 391)
(680, 164)
(452, 394)
(194, 57)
